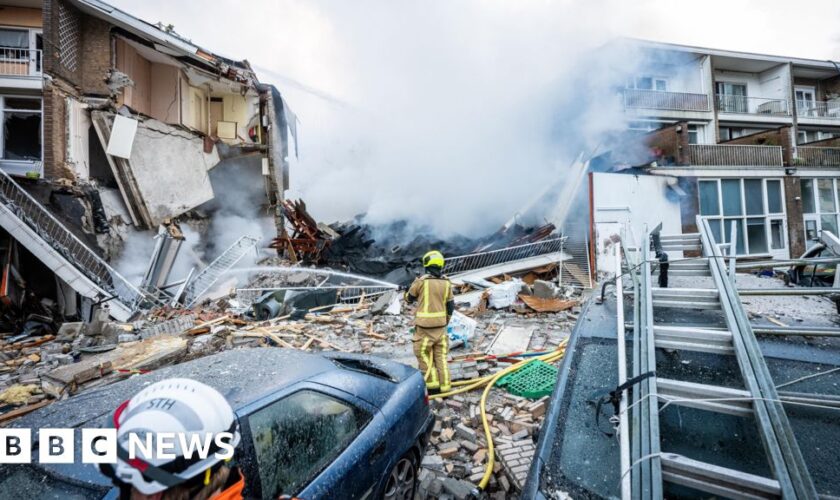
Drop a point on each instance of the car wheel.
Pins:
(402, 480)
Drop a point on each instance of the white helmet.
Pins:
(180, 406)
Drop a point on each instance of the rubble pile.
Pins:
(456, 459)
(388, 251)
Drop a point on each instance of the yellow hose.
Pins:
(489, 381)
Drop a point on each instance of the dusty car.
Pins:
(330, 425)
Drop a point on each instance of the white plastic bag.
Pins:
(461, 327)
(504, 294)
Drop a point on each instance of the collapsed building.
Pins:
(114, 127)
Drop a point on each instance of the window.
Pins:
(732, 97)
(805, 102)
(297, 437)
(21, 119)
(754, 207)
(20, 53)
(694, 134)
(646, 82)
(820, 206)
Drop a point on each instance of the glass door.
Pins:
(732, 97)
(805, 101)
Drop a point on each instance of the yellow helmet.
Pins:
(433, 258)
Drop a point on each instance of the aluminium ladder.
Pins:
(649, 465)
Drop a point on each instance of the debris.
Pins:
(511, 339)
(18, 394)
(504, 294)
(547, 305)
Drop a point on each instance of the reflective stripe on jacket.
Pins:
(432, 295)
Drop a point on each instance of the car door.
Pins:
(314, 442)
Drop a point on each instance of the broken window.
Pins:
(21, 118)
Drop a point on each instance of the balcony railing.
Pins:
(735, 154)
(655, 99)
(813, 156)
(20, 62)
(818, 109)
(752, 105)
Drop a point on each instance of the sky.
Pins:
(423, 109)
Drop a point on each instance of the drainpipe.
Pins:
(794, 132)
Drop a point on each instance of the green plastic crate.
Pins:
(533, 381)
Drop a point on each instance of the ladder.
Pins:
(649, 465)
(208, 276)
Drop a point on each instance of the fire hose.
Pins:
(488, 381)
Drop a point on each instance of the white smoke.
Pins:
(459, 112)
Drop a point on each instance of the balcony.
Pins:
(752, 105)
(735, 155)
(672, 101)
(818, 109)
(813, 156)
(17, 62)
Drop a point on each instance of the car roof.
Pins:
(240, 375)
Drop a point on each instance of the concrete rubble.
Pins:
(37, 370)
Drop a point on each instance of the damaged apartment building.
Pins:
(114, 128)
(750, 141)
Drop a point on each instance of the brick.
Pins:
(480, 455)
(465, 432)
(469, 446)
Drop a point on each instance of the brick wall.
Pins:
(825, 143)
(55, 131)
(96, 63)
(793, 206)
(672, 142)
(89, 39)
(782, 136)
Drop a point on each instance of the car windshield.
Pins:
(23, 481)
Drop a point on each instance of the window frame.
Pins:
(816, 217)
(3, 111)
(724, 221)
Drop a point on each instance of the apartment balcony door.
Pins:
(806, 102)
(732, 97)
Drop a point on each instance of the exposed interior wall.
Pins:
(239, 109)
(130, 62)
(20, 16)
(165, 93)
(194, 102)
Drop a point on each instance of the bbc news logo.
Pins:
(99, 446)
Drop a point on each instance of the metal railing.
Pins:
(347, 294)
(752, 105)
(814, 156)
(469, 262)
(208, 276)
(48, 228)
(735, 154)
(655, 99)
(818, 109)
(15, 61)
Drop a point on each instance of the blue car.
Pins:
(329, 425)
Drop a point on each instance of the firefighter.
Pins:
(435, 305)
(180, 406)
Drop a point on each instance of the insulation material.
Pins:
(504, 294)
(122, 137)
